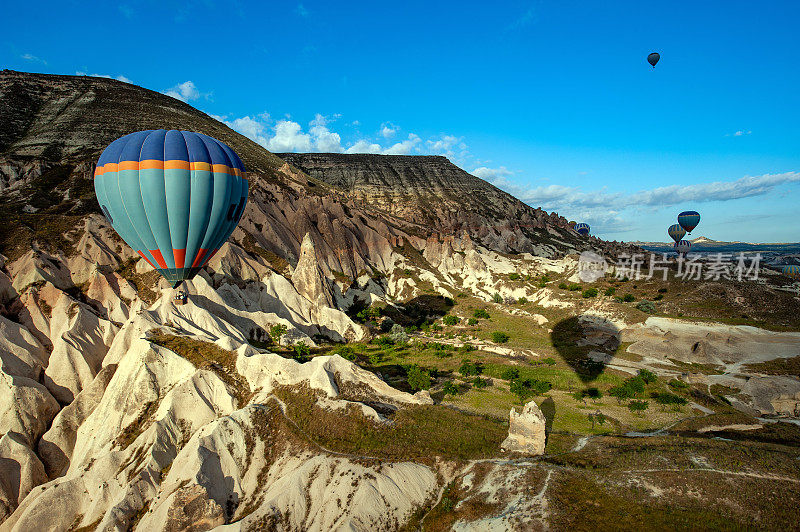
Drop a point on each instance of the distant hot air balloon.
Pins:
(572, 223)
(676, 232)
(689, 220)
(792, 271)
(653, 59)
(173, 196)
(582, 229)
(683, 247)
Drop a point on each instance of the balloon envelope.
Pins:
(683, 246)
(792, 271)
(653, 59)
(582, 229)
(689, 220)
(676, 232)
(173, 196)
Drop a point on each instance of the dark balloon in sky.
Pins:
(653, 58)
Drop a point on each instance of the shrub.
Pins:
(636, 384)
(574, 287)
(666, 398)
(418, 378)
(563, 286)
(398, 334)
(346, 352)
(440, 353)
(648, 376)
(662, 290)
(550, 361)
(500, 337)
(383, 341)
(628, 298)
(301, 351)
(621, 392)
(590, 292)
(375, 358)
(435, 327)
(480, 382)
(497, 298)
(524, 388)
(466, 348)
(450, 388)
(610, 291)
(469, 368)
(513, 276)
(522, 300)
(481, 314)
(677, 385)
(277, 331)
(638, 406)
(659, 297)
(472, 321)
(451, 320)
(646, 306)
(510, 374)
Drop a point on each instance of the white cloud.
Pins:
(118, 78)
(184, 92)
(496, 176)
(739, 133)
(289, 136)
(388, 130)
(405, 147)
(364, 146)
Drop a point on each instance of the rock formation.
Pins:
(526, 431)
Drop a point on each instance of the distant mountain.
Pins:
(704, 244)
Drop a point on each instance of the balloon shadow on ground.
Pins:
(548, 408)
(586, 343)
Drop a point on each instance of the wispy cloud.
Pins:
(107, 76)
(739, 133)
(526, 18)
(33, 59)
(302, 10)
(497, 176)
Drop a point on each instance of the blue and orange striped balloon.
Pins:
(792, 271)
(676, 232)
(683, 247)
(173, 196)
(689, 220)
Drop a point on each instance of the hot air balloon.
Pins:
(689, 220)
(582, 229)
(173, 196)
(683, 247)
(676, 232)
(572, 223)
(653, 59)
(792, 271)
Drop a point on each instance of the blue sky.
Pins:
(552, 101)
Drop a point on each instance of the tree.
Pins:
(621, 392)
(480, 382)
(590, 292)
(469, 368)
(497, 298)
(450, 388)
(398, 334)
(522, 389)
(510, 374)
(500, 337)
(481, 314)
(418, 378)
(648, 376)
(301, 351)
(451, 320)
(277, 331)
(472, 321)
(638, 406)
(346, 352)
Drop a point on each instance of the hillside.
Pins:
(362, 332)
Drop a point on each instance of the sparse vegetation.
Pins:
(590, 292)
(481, 314)
(499, 337)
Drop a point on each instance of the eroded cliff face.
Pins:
(430, 192)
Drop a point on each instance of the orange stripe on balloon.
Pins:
(180, 257)
(174, 164)
(159, 258)
(145, 258)
(199, 258)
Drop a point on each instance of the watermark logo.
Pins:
(591, 267)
